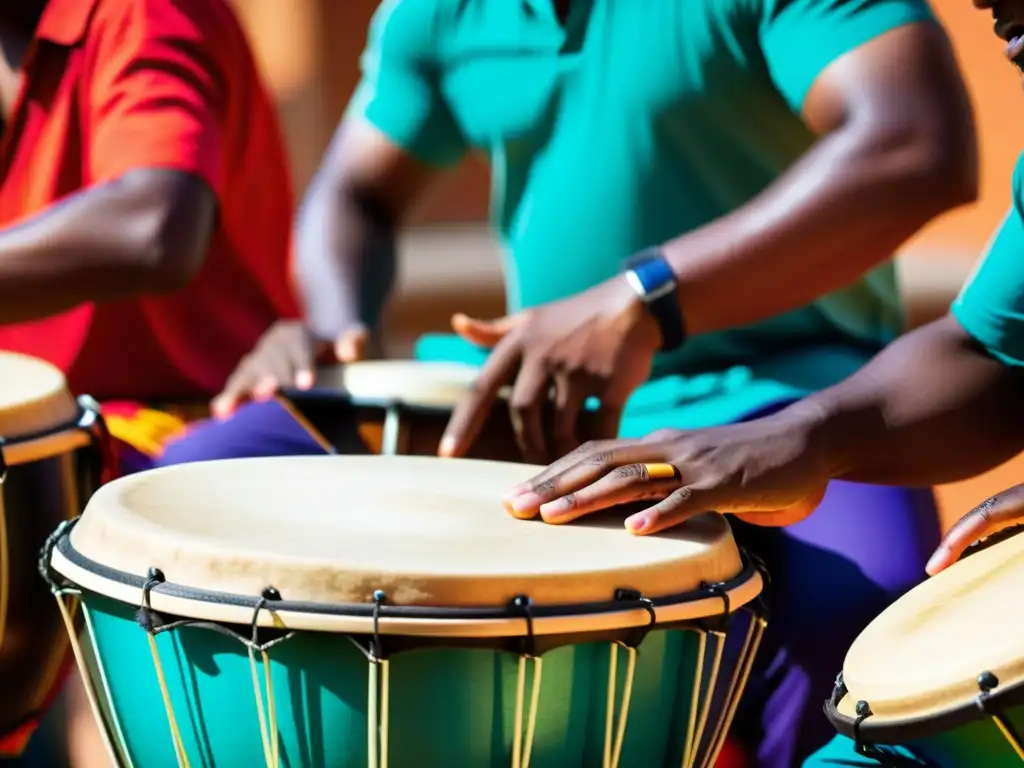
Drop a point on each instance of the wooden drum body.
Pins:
(375, 611)
(942, 669)
(50, 463)
(401, 407)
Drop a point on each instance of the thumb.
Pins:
(483, 333)
(351, 345)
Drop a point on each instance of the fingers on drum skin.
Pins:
(1004, 510)
(625, 484)
(585, 465)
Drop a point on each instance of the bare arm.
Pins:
(897, 148)
(933, 407)
(146, 232)
(345, 259)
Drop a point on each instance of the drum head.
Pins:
(923, 655)
(33, 397)
(428, 532)
(439, 385)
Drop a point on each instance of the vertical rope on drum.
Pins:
(378, 698)
(111, 712)
(391, 434)
(76, 650)
(709, 694)
(739, 682)
(522, 741)
(172, 721)
(691, 723)
(613, 747)
(148, 621)
(522, 744)
(1010, 735)
(267, 714)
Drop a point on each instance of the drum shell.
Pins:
(36, 497)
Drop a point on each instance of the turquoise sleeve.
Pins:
(800, 38)
(400, 90)
(991, 305)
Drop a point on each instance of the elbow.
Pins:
(169, 235)
(928, 171)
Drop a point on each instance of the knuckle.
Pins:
(545, 487)
(629, 472)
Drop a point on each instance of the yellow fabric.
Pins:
(147, 430)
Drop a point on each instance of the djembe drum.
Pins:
(375, 611)
(942, 669)
(401, 407)
(50, 463)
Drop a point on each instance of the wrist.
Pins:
(649, 275)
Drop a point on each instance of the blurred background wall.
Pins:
(309, 50)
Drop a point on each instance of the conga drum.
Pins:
(941, 671)
(50, 463)
(386, 611)
(401, 407)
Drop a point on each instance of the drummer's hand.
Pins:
(1004, 510)
(766, 471)
(599, 343)
(285, 356)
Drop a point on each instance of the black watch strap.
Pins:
(652, 278)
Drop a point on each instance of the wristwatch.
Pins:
(649, 274)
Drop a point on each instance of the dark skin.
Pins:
(897, 148)
(932, 408)
(144, 233)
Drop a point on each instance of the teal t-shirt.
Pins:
(632, 124)
(990, 306)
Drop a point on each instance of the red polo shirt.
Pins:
(114, 85)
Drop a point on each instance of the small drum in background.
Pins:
(401, 407)
(386, 611)
(50, 464)
(941, 671)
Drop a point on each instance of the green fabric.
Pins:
(991, 305)
(633, 124)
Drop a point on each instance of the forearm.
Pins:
(842, 209)
(115, 241)
(931, 408)
(346, 258)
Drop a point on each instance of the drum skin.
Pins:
(51, 471)
(331, 556)
(918, 664)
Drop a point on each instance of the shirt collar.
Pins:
(64, 22)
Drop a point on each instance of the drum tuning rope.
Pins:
(988, 682)
(268, 716)
(745, 662)
(522, 745)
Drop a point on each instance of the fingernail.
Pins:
(527, 502)
(555, 508)
(304, 379)
(447, 447)
(639, 524)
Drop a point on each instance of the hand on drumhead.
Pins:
(1004, 510)
(765, 471)
(351, 345)
(284, 357)
(599, 344)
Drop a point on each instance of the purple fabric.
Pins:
(831, 575)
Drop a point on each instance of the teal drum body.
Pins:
(386, 611)
(938, 678)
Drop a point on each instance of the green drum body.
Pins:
(938, 678)
(451, 655)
